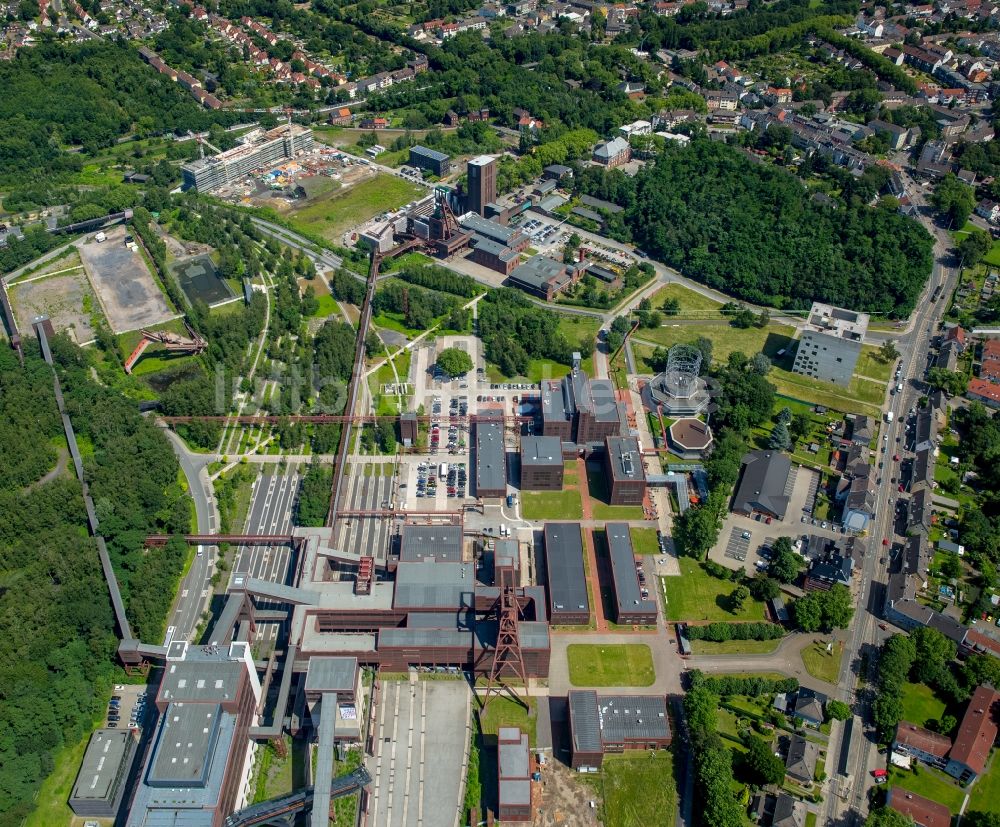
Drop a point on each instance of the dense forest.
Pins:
(57, 636)
(753, 231)
(88, 94)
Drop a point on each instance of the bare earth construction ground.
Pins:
(63, 298)
(129, 296)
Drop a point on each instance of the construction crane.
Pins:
(173, 342)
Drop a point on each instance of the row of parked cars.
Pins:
(135, 716)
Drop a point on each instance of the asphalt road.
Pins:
(845, 802)
(196, 586)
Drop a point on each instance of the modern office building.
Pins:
(569, 603)
(482, 182)
(623, 470)
(631, 607)
(100, 784)
(430, 159)
(830, 344)
(491, 465)
(255, 151)
(580, 409)
(541, 463)
(197, 771)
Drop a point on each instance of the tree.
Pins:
(785, 563)
(800, 427)
(760, 761)
(888, 352)
(944, 725)
(454, 362)
(974, 247)
(739, 596)
(886, 817)
(763, 588)
(977, 818)
(760, 364)
(837, 711)
(951, 382)
(780, 440)
(785, 415)
(955, 199)
(808, 613)
(671, 307)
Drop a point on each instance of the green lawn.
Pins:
(694, 305)
(930, 784)
(629, 664)
(986, 791)
(504, 711)
(644, 541)
(51, 809)
(599, 496)
(639, 789)
(551, 505)
(725, 338)
(333, 216)
(861, 396)
(326, 305)
(734, 647)
(871, 364)
(822, 665)
(695, 595)
(920, 704)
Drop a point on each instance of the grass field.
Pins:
(822, 665)
(693, 304)
(870, 364)
(644, 541)
(51, 809)
(930, 784)
(333, 216)
(861, 396)
(639, 789)
(504, 711)
(734, 647)
(725, 338)
(551, 505)
(599, 497)
(986, 792)
(629, 664)
(695, 595)
(920, 704)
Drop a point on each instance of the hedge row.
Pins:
(719, 632)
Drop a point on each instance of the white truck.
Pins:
(101, 236)
(889, 416)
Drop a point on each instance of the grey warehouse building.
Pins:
(630, 606)
(569, 603)
(100, 784)
(430, 159)
(440, 542)
(491, 465)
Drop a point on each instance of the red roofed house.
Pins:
(991, 360)
(956, 334)
(922, 744)
(341, 117)
(923, 811)
(976, 736)
(984, 391)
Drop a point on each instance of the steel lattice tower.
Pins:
(508, 647)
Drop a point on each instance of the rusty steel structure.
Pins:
(507, 656)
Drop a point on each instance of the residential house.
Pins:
(920, 519)
(613, 153)
(928, 747)
(990, 368)
(859, 504)
(788, 812)
(898, 137)
(925, 431)
(862, 430)
(990, 210)
(923, 811)
(984, 391)
(800, 763)
(976, 736)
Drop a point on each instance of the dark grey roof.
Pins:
(107, 750)
(601, 401)
(923, 468)
(802, 757)
(433, 585)
(512, 755)
(633, 718)
(762, 484)
(331, 674)
(627, 592)
(598, 204)
(537, 271)
(192, 680)
(626, 461)
(402, 638)
(584, 720)
(514, 791)
(809, 704)
(490, 229)
(461, 619)
(426, 152)
(564, 566)
(541, 451)
(491, 468)
(924, 431)
(920, 509)
(788, 812)
(833, 569)
(532, 634)
(442, 542)
(184, 750)
(494, 248)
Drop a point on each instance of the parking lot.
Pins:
(129, 707)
